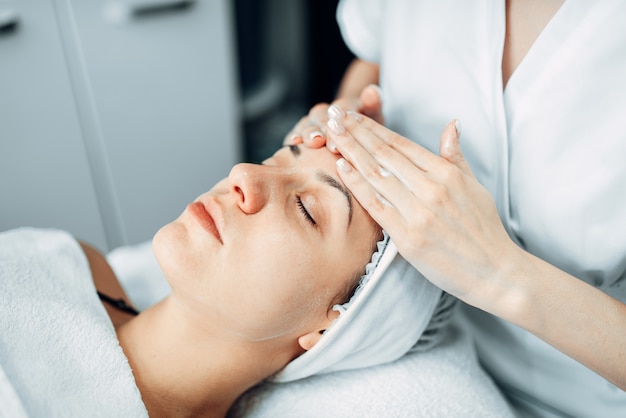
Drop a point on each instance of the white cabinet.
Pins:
(109, 126)
(45, 178)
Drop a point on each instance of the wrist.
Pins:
(510, 293)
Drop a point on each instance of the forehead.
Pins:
(322, 163)
(305, 157)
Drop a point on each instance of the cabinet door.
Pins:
(45, 178)
(161, 79)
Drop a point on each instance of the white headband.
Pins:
(389, 311)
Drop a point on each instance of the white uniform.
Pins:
(551, 149)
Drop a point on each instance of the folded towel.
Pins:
(58, 348)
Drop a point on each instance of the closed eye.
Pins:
(305, 212)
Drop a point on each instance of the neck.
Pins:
(182, 369)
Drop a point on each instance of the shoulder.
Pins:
(106, 282)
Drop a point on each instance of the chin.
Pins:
(169, 245)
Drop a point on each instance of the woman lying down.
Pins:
(276, 273)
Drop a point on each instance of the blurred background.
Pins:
(115, 114)
(291, 56)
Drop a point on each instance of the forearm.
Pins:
(358, 75)
(569, 314)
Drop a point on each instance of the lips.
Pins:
(201, 214)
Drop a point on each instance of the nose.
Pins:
(253, 185)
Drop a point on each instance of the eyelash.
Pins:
(305, 212)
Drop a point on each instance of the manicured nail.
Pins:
(335, 112)
(314, 135)
(343, 165)
(457, 126)
(335, 127)
(331, 145)
(355, 115)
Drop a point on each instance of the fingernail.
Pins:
(335, 127)
(332, 146)
(355, 115)
(457, 126)
(335, 112)
(314, 135)
(343, 165)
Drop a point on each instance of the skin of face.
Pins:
(258, 265)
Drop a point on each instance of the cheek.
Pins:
(277, 287)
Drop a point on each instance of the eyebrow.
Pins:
(330, 180)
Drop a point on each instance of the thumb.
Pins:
(371, 103)
(450, 148)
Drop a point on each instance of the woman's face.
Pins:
(267, 250)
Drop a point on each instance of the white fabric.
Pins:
(133, 265)
(550, 150)
(382, 321)
(445, 381)
(58, 348)
(11, 403)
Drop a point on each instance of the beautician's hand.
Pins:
(311, 129)
(441, 219)
(446, 225)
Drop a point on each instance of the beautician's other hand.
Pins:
(311, 129)
(442, 220)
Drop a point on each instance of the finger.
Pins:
(307, 133)
(389, 149)
(293, 139)
(314, 136)
(331, 146)
(371, 103)
(450, 148)
(389, 173)
(418, 155)
(294, 136)
(310, 129)
(317, 114)
(348, 103)
(344, 105)
(378, 206)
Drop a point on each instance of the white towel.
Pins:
(58, 348)
(10, 404)
(445, 381)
